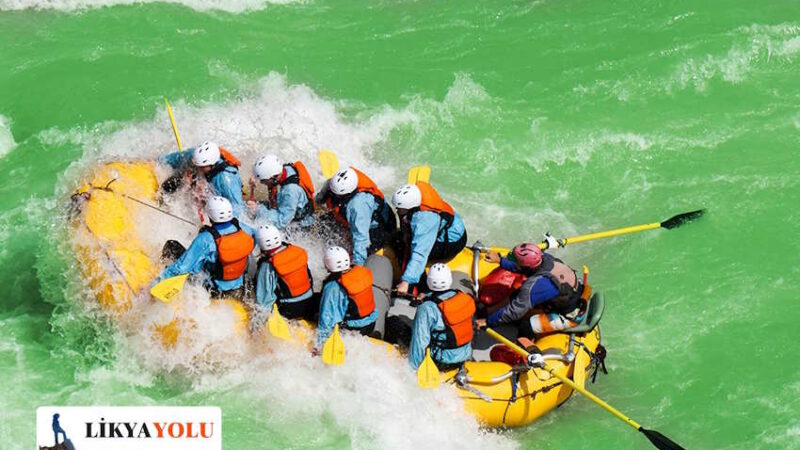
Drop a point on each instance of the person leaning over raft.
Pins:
(346, 297)
(550, 286)
(443, 322)
(358, 204)
(291, 193)
(430, 230)
(219, 167)
(283, 276)
(221, 250)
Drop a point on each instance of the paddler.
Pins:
(430, 231)
(549, 286)
(217, 165)
(291, 193)
(443, 322)
(219, 250)
(347, 297)
(283, 276)
(358, 204)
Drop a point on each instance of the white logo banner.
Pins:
(128, 428)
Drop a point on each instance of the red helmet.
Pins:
(526, 255)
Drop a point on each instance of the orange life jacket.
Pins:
(431, 201)
(457, 312)
(365, 184)
(232, 252)
(358, 284)
(291, 264)
(499, 285)
(228, 160)
(303, 179)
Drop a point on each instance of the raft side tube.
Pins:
(381, 269)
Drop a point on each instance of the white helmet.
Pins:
(439, 277)
(344, 182)
(267, 167)
(219, 209)
(336, 259)
(407, 197)
(206, 154)
(268, 237)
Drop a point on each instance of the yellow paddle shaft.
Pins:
(605, 234)
(521, 351)
(174, 127)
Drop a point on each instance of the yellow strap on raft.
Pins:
(582, 361)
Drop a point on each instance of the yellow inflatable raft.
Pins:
(117, 267)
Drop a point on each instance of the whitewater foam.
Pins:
(751, 46)
(6, 138)
(232, 6)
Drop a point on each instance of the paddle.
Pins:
(672, 222)
(657, 439)
(419, 173)
(277, 324)
(180, 147)
(333, 350)
(168, 288)
(328, 162)
(428, 373)
(174, 127)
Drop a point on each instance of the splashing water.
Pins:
(537, 116)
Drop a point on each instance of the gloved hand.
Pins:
(492, 257)
(402, 288)
(551, 241)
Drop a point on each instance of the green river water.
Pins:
(567, 116)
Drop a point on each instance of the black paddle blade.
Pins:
(680, 219)
(660, 441)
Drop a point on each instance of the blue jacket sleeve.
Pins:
(178, 160)
(456, 230)
(229, 185)
(332, 309)
(424, 229)
(266, 282)
(506, 264)
(424, 321)
(542, 291)
(291, 198)
(359, 215)
(200, 252)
